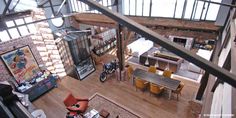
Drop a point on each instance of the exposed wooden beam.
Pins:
(147, 21)
(104, 21)
(210, 67)
(185, 33)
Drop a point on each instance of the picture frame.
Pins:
(21, 63)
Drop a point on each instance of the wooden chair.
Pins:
(179, 89)
(152, 69)
(141, 84)
(130, 71)
(167, 73)
(155, 89)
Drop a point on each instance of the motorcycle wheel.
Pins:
(103, 77)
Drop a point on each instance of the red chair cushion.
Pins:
(70, 100)
(83, 105)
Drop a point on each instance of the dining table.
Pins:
(169, 83)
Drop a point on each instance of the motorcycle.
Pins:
(108, 68)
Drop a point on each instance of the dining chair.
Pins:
(152, 69)
(167, 73)
(179, 89)
(130, 71)
(141, 84)
(155, 89)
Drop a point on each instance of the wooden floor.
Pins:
(122, 92)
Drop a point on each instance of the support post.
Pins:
(212, 68)
(202, 87)
(204, 79)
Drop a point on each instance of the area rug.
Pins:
(99, 102)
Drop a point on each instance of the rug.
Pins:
(99, 102)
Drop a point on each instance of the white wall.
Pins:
(226, 50)
(221, 106)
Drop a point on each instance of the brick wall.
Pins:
(43, 47)
(9, 45)
(49, 51)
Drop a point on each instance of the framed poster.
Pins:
(21, 63)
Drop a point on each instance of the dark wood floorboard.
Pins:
(121, 92)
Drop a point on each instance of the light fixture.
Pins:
(57, 21)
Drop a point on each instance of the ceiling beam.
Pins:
(210, 67)
(42, 2)
(17, 14)
(6, 7)
(147, 21)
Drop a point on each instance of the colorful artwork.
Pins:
(21, 63)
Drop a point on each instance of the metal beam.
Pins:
(175, 8)
(15, 6)
(193, 9)
(184, 9)
(6, 7)
(53, 12)
(207, 10)
(203, 84)
(42, 3)
(218, 3)
(64, 16)
(60, 7)
(203, 8)
(150, 9)
(210, 67)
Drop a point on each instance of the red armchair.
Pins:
(75, 105)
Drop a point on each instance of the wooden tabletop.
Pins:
(160, 80)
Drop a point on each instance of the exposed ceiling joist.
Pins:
(6, 8)
(147, 21)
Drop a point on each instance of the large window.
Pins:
(17, 28)
(77, 6)
(186, 9)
